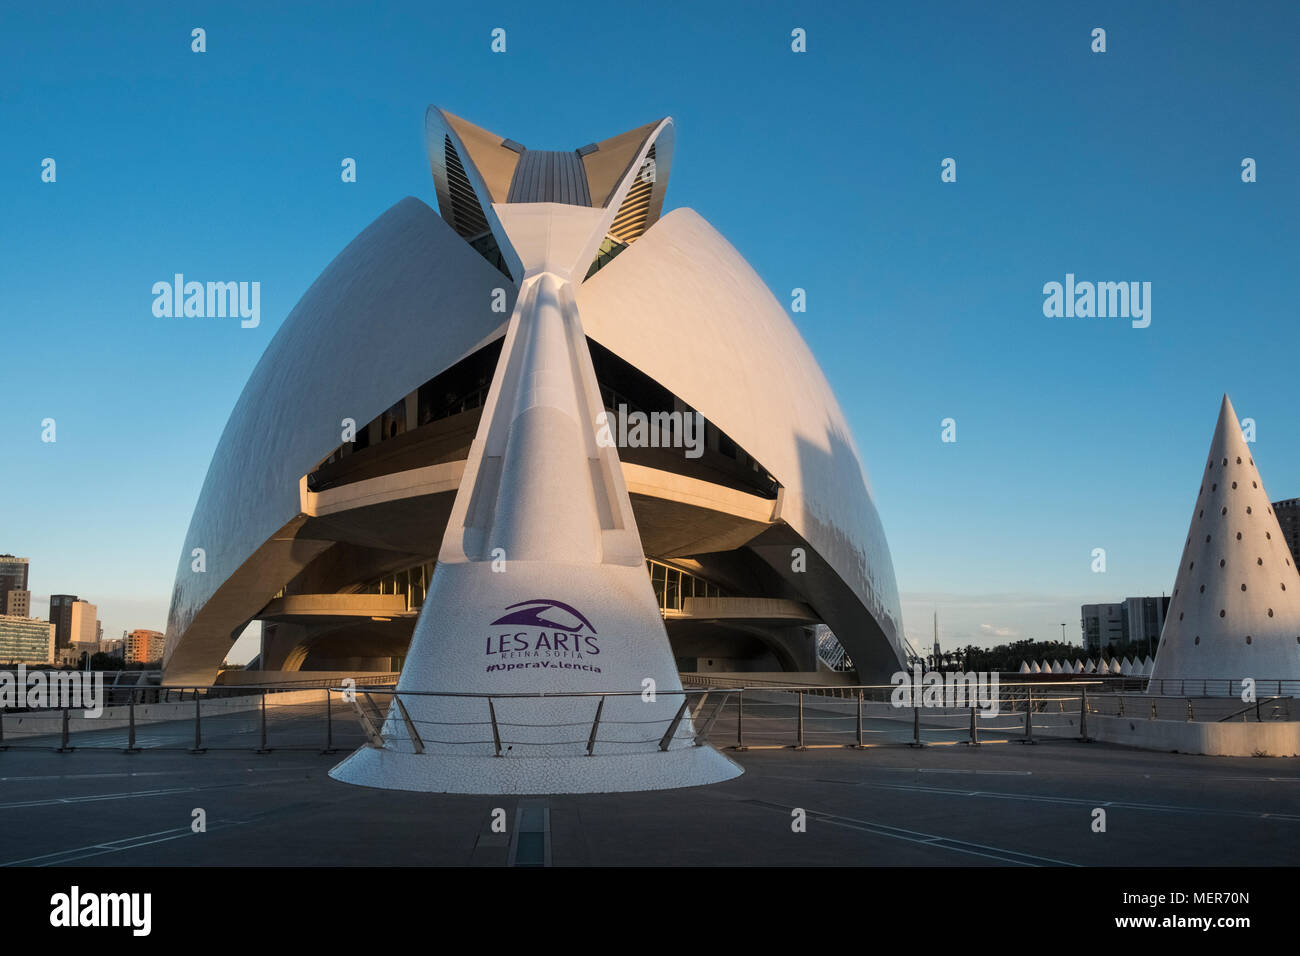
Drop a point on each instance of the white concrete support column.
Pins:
(540, 585)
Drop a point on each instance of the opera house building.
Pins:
(415, 466)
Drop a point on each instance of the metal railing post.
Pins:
(799, 744)
(131, 748)
(1028, 738)
(63, 743)
(740, 720)
(262, 748)
(1083, 716)
(859, 745)
(672, 727)
(595, 725)
(974, 730)
(3, 745)
(329, 723)
(916, 724)
(374, 738)
(702, 733)
(416, 741)
(496, 733)
(198, 747)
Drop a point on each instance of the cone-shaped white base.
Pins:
(617, 773)
(462, 643)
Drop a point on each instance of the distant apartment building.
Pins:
(1288, 517)
(24, 640)
(1145, 618)
(1136, 619)
(85, 623)
(75, 621)
(13, 573)
(1103, 625)
(61, 617)
(15, 599)
(16, 603)
(143, 646)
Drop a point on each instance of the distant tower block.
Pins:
(1235, 611)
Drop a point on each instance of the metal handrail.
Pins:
(1254, 705)
(721, 688)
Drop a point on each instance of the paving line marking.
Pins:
(1078, 801)
(927, 839)
(142, 773)
(114, 846)
(131, 794)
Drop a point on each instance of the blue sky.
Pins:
(823, 169)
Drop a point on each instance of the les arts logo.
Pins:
(543, 634)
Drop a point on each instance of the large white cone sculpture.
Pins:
(1024, 667)
(540, 585)
(1235, 611)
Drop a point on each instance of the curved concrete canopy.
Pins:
(662, 307)
(370, 309)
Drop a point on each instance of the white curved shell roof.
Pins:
(685, 307)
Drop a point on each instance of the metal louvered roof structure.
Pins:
(550, 176)
(475, 170)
